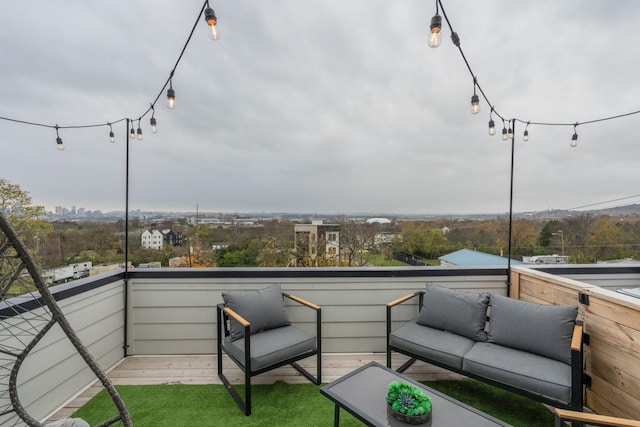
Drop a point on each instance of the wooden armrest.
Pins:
(403, 299)
(302, 301)
(576, 340)
(237, 317)
(587, 417)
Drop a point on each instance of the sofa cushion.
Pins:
(516, 368)
(263, 309)
(538, 328)
(272, 346)
(433, 344)
(463, 313)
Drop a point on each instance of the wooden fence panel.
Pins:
(612, 323)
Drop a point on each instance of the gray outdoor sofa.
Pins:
(532, 349)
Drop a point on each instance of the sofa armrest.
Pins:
(390, 305)
(404, 298)
(398, 301)
(577, 374)
(576, 339)
(564, 415)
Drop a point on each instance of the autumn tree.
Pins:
(16, 204)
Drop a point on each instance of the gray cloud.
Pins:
(326, 106)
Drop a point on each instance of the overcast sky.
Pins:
(332, 106)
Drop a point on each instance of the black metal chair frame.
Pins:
(224, 314)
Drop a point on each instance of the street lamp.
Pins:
(561, 234)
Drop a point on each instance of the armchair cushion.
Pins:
(537, 328)
(263, 309)
(272, 346)
(463, 313)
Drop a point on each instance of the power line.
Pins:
(605, 202)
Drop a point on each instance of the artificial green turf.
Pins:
(506, 406)
(282, 405)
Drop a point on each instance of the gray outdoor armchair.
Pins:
(255, 332)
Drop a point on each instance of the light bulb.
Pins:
(510, 134)
(435, 38)
(475, 104)
(525, 137)
(212, 21)
(492, 128)
(132, 134)
(504, 134)
(154, 125)
(171, 98)
(139, 132)
(574, 140)
(60, 144)
(112, 137)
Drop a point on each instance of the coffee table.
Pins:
(363, 393)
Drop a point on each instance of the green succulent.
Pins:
(407, 399)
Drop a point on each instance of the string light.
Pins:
(112, 137)
(492, 125)
(504, 131)
(59, 140)
(212, 21)
(437, 22)
(510, 133)
(210, 18)
(171, 96)
(574, 138)
(435, 36)
(152, 121)
(475, 100)
(434, 41)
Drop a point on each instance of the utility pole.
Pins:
(561, 234)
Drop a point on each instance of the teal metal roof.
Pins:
(470, 257)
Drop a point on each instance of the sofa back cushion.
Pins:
(537, 328)
(263, 309)
(462, 313)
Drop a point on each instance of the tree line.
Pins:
(583, 237)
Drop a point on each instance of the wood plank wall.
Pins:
(612, 321)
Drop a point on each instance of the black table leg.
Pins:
(336, 416)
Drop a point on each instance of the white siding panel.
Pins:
(54, 372)
(177, 316)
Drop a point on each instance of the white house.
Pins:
(152, 239)
(155, 239)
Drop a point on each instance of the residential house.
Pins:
(156, 239)
(317, 241)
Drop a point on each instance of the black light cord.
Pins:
(456, 41)
(152, 105)
(454, 36)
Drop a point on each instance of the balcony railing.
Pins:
(172, 311)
